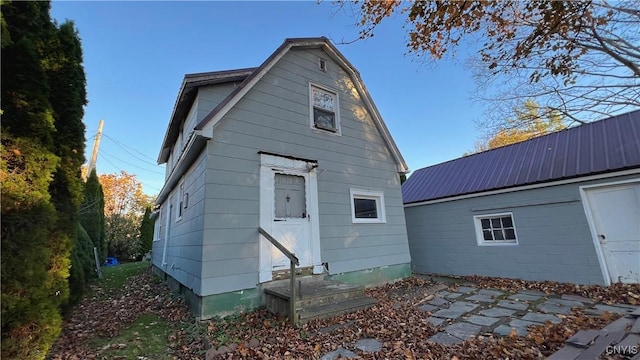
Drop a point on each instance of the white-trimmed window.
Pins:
(367, 206)
(181, 201)
(158, 227)
(324, 109)
(495, 229)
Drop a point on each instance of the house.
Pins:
(562, 207)
(295, 146)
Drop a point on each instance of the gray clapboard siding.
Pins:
(554, 240)
(274, 117)
(183, 251)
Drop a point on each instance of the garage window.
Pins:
(495, 229)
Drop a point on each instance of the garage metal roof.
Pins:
(602, 146)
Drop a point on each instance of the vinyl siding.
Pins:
(274, 117)
(184, 247)
(554, 240)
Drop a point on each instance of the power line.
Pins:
(155, 171)
(125, 146)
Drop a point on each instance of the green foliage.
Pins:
(91, 214)
(82, 265)
(42, 149)
(146, 230)
(116, 276)
(146, 338)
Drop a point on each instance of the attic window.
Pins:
(324, 109)
(322, 63)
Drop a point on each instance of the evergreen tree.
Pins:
(91, 214)
(146, 230)
(43, 93)
(30, 296)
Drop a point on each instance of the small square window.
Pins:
(324, 111)
(367, 206)
(495, 229)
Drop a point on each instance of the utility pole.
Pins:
(94, 153)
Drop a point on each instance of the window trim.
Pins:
(180, 201)
(477, 221)
(336, 110)
(378, 196)
(158, 226)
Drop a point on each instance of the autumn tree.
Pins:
(578, 58)
(124, 206)
(531, 121)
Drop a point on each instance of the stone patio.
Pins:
(465, 312)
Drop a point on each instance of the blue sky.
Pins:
(137, 53)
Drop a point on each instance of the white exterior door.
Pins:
(614, 213)
(291, 225)
(289, 212)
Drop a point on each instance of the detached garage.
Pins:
(562, 207)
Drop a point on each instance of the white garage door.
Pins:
(614, 213)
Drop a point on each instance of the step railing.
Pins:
(293, 261)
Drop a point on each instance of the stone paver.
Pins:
(577, 298)
(554, 307)
(465, 289)
(339, 353)
(521, 323)
(497, 312)
(482, 320)
(438, 301)
(524, 297)
(453, 295)
(541, 318)
(370, 345)
(505, 330)
(427, 307)
(515, 305)
(481, 298)
(444, 339)
(614, 309)
(494, 293)
(464, 331)
(456, 310)
(564, 302)
(532, 292)
(435, 321)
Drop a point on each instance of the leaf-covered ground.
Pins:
(395, 321)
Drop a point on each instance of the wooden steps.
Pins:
(317, 299)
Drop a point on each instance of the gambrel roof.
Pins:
(608, 145)
(249, 78)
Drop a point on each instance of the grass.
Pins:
(114, 277)
(146, 338)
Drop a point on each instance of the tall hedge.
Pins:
(146, 230)
(91, 214)
(42, 146)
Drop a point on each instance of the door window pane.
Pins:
(290, 198)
